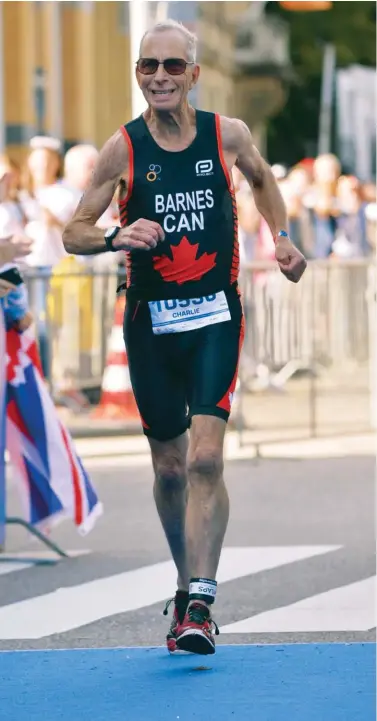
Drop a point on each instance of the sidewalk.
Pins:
(271, 419)
(83, 426)
(134, 450)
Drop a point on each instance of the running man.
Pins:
(183, 323)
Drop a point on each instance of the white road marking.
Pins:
(75, 606)
(12, 565)
(347, 608)
(9, 567)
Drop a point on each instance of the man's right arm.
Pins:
(81, 236)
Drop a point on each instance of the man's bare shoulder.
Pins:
(113, 159)
(234, 134)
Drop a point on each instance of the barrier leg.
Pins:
(2, 500)
(13, 521)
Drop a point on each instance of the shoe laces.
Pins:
(180, 605)
(198, 613)
(168, 604)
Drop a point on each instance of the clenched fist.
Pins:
(291, 262)
(141, 235)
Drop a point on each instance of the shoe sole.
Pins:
(174, 650)
(195, 641)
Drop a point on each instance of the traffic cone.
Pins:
(117, 402)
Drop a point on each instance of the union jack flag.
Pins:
(2, 426)
(51, 478)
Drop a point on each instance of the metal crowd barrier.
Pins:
(308, 364)
(73, 310)
(313, 341)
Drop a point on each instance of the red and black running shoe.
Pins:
(195, 632)
(180, 607)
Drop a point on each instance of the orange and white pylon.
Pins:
(117, 400)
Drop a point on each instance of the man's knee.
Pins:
(205, 465)
(170, 474)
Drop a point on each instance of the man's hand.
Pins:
(291, 262)
(21, 244)
(24, 323)
(17, 246)
(5, 288)
(141, 235)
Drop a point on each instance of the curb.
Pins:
(112, 431)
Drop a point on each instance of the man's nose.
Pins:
(161, 74)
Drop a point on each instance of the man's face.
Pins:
(161, 90)
(43, 165)
(80, 172)
(326, 169)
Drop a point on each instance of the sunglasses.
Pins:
(173, 66)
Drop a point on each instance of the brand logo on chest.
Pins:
(204, 168)
(153, 173)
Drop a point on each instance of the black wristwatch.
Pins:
(110, 234)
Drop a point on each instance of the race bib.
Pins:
(175, 316)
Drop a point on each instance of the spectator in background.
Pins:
(14, 303)
(84, 291)
(322, 204)
(248, 218)
(46, 203)
(295, 190)
(79, 164)
(12, 218)
(351, 231)
(14, 245)
(330, 215)
(368, 195)
(11, 250)
(265, 244)
(47, 206)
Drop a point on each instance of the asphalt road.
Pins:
(301, 532)
(83, 640)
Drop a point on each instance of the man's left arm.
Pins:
(237, 140)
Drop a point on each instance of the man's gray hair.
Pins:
(190, 38)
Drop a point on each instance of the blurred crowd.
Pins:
(37, 200)
(330, 215)
(40, 197)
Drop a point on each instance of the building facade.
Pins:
(66, 67)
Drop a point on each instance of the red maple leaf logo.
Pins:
(184, 266)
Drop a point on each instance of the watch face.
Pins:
(111, 232)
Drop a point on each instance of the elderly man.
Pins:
(184, 322)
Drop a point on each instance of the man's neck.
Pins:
(177, 124)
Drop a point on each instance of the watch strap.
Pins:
(109, 239)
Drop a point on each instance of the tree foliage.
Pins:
(351, 27)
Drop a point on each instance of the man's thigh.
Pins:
(158, 388)
(214, 366)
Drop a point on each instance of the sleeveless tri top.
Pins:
(190, 194)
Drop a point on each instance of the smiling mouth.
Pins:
(163, 92)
